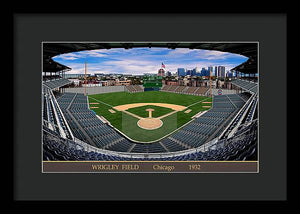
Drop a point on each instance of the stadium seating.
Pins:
(52, 84)
(246, 85)
(191, 90)
(213, 121)
(201, 91)
(138, 88)
(179, 89)
(165, 87)
(134, 88)
(242, 146)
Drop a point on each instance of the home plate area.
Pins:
(150, 123)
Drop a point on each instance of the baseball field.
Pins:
(147, 116)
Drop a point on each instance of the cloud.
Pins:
(68, 56)
(146, 60)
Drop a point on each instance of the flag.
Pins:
(162, 65)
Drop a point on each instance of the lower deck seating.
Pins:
(242, 146)
(56, 83)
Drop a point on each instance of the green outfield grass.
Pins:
(109, 100)
(120, 98)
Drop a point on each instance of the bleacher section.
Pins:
(200, 91)
(138, 88)
(165, 87)
(179, 89)
(52, 84)
(190, 90)
(246, 85)
(52, 114)
(134, 88)
(88, 127)
(242, 146)
(146, 148)
(201, 129)
(172, 88)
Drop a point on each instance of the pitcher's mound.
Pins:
(149, 123)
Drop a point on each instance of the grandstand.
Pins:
(246, 85)
(186, 90)
(72, 131)
(134, 88)
(57, 83)
(242, 146)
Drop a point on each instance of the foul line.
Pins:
(131, 114)
(101, 102)
(166, 115)
(197, 102)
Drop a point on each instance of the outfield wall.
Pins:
(97, 89)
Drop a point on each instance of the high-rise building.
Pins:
(221, 71)
(180, 72)
(168, 73)
(203, 72)
(194, 72)
(188, 72)
(229, 74)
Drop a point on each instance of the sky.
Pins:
(137, 61)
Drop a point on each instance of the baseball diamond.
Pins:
(136, 106)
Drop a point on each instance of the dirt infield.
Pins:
(188, 111)
(150, 123)
(111, 111)
(134, 105)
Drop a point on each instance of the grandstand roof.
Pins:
(248, 49)
(51, 66)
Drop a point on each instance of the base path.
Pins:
(111, 111)
(134, 105)
(188, 111)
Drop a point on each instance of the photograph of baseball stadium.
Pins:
(150, 107)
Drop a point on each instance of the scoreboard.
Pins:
(152, 81)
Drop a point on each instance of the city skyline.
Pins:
(146, 60)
